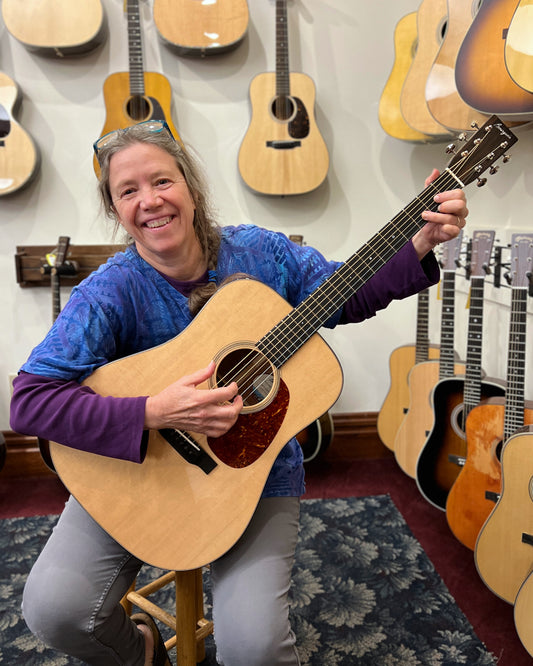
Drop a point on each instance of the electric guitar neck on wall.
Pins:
(134, 96)
(420, 417)
(201, 28)
(56, 27)
(453, 398)
(19, 155)
(283, 152)
(287, 377)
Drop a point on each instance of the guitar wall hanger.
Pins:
(34, 270)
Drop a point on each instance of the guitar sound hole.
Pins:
(255, 376)
(138, 108)
(283, 107)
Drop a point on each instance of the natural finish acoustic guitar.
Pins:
(56, 27)
(517, 51)
(401, 361)
(283, 152)
(134, 96)
(420, 417)
(192, 497)
(453, 398)
(481, 76)
(431, 25)
(19, 155)
(389, 111)
(201, 28)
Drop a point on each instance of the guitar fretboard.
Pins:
(472, 388)
(282, 50)
(516, 363)
(135, 49)
(422, 327)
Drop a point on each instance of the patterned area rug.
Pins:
(364, 592)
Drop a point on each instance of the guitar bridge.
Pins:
(283, 145)
(188, 449)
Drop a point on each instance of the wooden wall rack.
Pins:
(30, 261)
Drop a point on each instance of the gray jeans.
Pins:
(71, 600)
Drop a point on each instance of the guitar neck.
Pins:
(472, 387)
(284, 340)
(135, 49)
(516, 363)
(422, 327)
(282, 50)
(447, 334)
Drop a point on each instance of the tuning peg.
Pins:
(474, 125)
(450, 148)
(481, 182)
(462, 137)
(508, 277)
(506, 159)
(493, 170)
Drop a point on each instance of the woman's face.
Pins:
(152, 202)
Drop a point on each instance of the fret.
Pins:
(282, 50)
(422, 327)
(135, 49)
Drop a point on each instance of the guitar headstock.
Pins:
(482, 242)
(451, 252)
(521, 260)
(481, 151)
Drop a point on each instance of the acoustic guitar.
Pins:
(135, 96)
(502, 558)
(517, 50)
(56, 27)
(196, 28)
(283, 152)
(420, 417)
(431, 26)
(523, 605)
(453, 398)
(389, 111)
(401, 362)
(481, 76)
(19, 155)
(207, 488)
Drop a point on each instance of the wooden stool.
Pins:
(189, 624)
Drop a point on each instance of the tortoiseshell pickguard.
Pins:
(253, 433)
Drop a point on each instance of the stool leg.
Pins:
(186, 617)
(200, 645)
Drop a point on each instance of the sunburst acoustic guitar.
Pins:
(56, 27)
(19, 155)
(481, 76)
(431, 26)
(283, 151)
(420, 417)
(401, 362)
(453, 398)
(517, 50)
(134, 96)
(207, 489)
(503, 556)
(201, 28)
(389, 111)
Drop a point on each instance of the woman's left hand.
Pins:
(444, 224)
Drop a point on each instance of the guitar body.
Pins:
(283, 157)
(124, 109)
(436, 473)
(19, 156)
(518, 54)
(503, 551)
(396, 403)
(201, 28)
(419, 420)
(481, 76)
(56, 27)
(389, 112)
(443, 100)
(140, 504)
(431, 20)
(523, 608)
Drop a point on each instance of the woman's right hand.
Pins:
(183, 406)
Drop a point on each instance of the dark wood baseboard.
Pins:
(355, 436)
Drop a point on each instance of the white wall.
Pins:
(346, 47)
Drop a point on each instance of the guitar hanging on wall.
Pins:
(201, 28)
(56, 27)
(134, 96)
(283, 152)
(19, 155)
(56, 265)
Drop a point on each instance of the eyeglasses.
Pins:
(153, 126)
